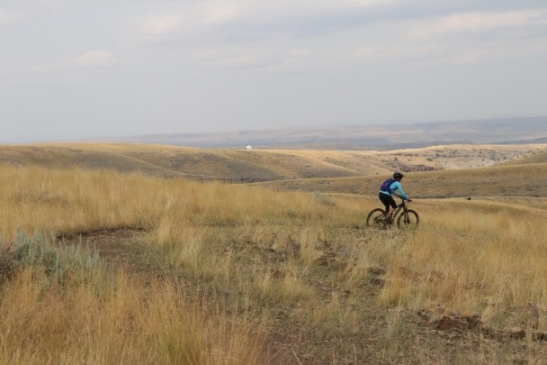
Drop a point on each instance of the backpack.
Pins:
(386, 184)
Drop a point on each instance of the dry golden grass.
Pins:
(538, 157)
(472, 256)
(237, 165)
(237, 274)
(503, 181)
(74, 200)
(229, 165)
(121, 324)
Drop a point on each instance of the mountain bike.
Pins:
(405, 218)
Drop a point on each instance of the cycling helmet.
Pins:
(398, 176)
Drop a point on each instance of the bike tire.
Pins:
(376, 219)
(408, 220)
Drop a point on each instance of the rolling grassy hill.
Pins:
(169, 161)
(522, 180)
(433, 172)
(539, 157)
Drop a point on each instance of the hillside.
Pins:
(259, 165)
(540, 157)
(523, 180)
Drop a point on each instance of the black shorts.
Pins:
(387, 200)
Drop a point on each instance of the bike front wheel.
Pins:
(408, 220)
(376, 219)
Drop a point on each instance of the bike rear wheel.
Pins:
(408, 220)
(376, 219)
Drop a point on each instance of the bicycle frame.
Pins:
(400, 207)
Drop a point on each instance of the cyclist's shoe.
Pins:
(389, 221)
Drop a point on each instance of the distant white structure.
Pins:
(249, 148)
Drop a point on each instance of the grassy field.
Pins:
(109, 267)
(237, 165)
(527, 181)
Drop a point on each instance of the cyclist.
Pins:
(389, 187)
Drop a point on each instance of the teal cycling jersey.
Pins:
(397, 189)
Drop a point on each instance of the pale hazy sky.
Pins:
(88, 68)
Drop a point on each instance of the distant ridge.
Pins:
(491, 131)
(532, 141)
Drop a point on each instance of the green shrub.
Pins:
(61, 264)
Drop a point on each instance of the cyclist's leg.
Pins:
(382, 199)
(389, 204)
(392, 208)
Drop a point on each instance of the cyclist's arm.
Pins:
(398, 190)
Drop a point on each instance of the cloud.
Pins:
(257, 60)
(241, 61)
(394, 52)
(299, 53)
(225, 32)
(454, 39)
(227, 58)
(93, 58)
(162, 24)
(219, 13)
(224, 10)
(4, 17)
(258, 15)
(469, 57)
(478, 22)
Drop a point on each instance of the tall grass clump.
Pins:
(483, 258)
(75, 200)
(60, 305)
(158, 325)
(61, 264)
